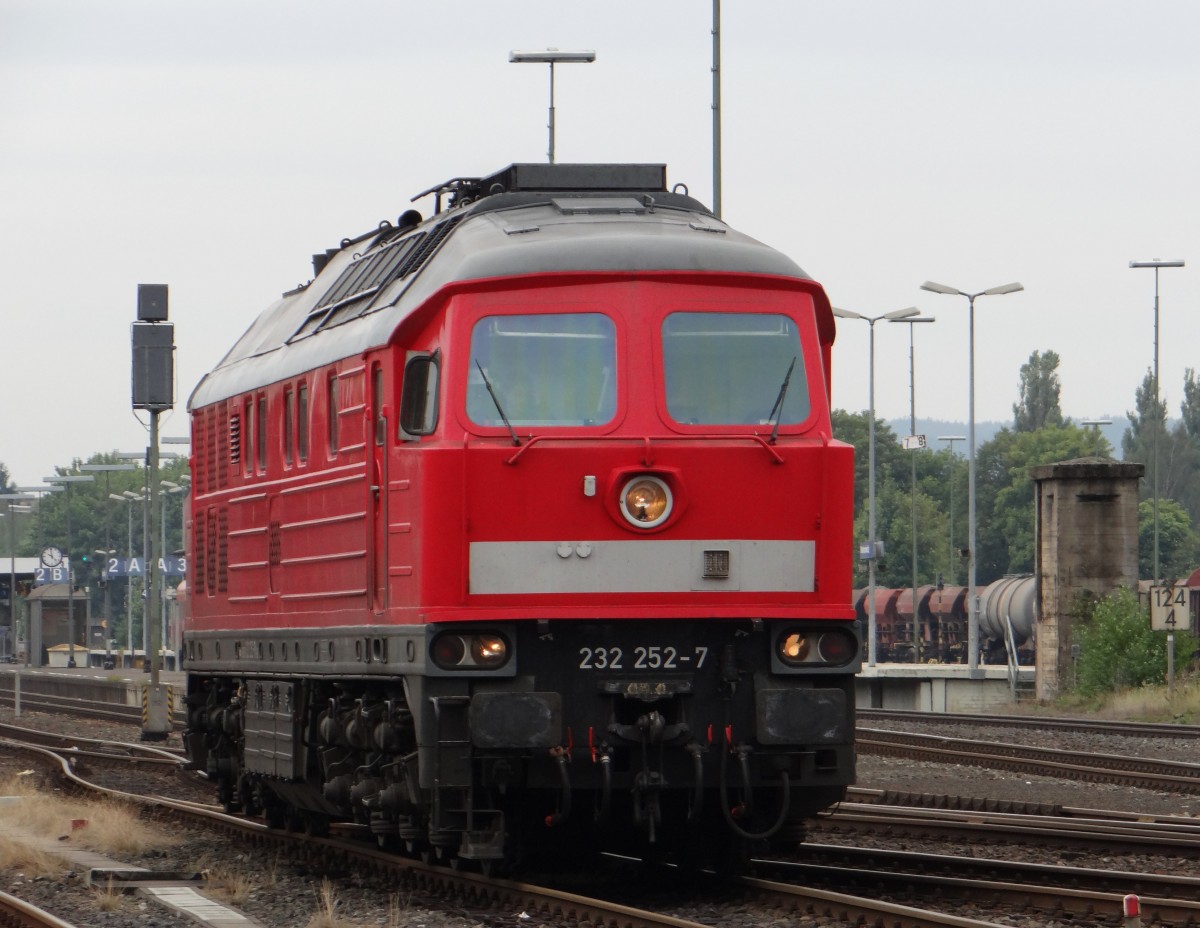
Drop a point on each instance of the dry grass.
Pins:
(1143, 704)
(326, 915)
(18, 857)
(106, 827)
(108, 898)
(398, 913)
(232, 884)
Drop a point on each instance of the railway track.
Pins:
(475, 891)
(69, 705)
(1179, 837)
(1023, 887)
(16, 913)
(1136, 729)
(1164, 775)
(1060, 892)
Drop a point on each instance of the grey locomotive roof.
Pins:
(529, 219)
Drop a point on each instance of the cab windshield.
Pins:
(544, 369)
(731, 369)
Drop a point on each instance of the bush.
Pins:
(1117, 649)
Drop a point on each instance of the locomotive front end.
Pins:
(654, 637)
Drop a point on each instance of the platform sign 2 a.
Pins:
(1169, 610)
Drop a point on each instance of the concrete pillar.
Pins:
(1086, 532)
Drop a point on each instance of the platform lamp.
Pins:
(972, 593)
(107, 470)
(129, 499)
(552, 56)
(142, 498)
(69, 480)
(950, 440)
(1156, 264)
(871, 552)
(14, 505)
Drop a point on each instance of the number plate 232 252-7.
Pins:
(642, 657)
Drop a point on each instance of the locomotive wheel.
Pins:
(275, 815)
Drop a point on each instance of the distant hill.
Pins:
(986, 431)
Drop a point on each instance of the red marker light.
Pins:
(1132, 907)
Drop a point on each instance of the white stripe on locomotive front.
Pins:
(649, 566)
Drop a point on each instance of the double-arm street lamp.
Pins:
(552, 56)
(913, 445)
(1158, 418)
(872, 551)
(972, 593)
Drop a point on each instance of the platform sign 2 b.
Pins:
(1169, 610)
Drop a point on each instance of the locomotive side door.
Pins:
(378, 490)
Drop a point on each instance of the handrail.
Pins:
(647, 459)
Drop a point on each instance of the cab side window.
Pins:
(419, 396)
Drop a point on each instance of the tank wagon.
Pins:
(1007, 621)
(522, 526)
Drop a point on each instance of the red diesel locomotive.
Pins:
(522, 527)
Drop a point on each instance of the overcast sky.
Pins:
(215, 146)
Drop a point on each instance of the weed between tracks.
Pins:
(110, 828)
(327, 915)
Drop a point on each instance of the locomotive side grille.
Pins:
(203, 427)
(210, 548)
(200, 553)
(235, 442)
(222, 547)
(220, 454)
(275, 544)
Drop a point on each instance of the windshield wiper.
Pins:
(777, 409)
(500, 409)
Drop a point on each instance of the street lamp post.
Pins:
(1156, 264)
(552, 56)
(129, 498)
(38, 492)
(69, 481)
(950, 440)
(14, 501)
(107, 470)
(873, 545)
(913, 446)
(972, 593)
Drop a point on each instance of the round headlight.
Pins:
(646, 501)
(489, 650)
(448, 651)
(836, 647)
(794, 648)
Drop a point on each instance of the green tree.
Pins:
(1178, 544)
(1189, 409)
(1177, 451)
(1117, 649)
(852, 428)
(1038, 406)
(1004, 492)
